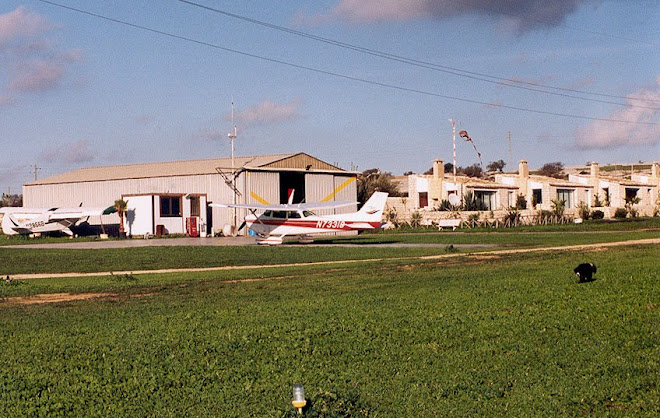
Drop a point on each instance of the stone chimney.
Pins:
(595, 171)
(523, 169)
(438, 168)
(655, 170)
(435, 183)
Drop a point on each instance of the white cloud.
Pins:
(637, 132)
(513, 15)
(30, 60)
(268, 112)
(21, 23)
(72, 153)
(6, 100)
(37, 76)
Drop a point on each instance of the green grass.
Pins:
(513, 335)
(55, 260)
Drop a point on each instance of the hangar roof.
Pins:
(278, 162)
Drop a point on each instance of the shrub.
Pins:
(512, 217)
(416, 219)
(470, 203)
(474, 217)
(446, 206)
(597, 214)
(620, 213)
(521, 202)
(583, 211)
(391, 216)
(558, 207)
(597, 202)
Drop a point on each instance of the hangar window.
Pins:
(170, 206)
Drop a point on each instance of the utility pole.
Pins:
(35, 170)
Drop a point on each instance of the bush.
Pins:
(446, 206)
(583, 211)
(512, 217)
(597, 214)
(416, 219)
(620, 213)
(521, 202)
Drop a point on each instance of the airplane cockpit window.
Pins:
(307, 213)
(268, 213)
(52, 209)
(279, 214)
(294, 215)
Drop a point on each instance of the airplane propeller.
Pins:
(241, 227)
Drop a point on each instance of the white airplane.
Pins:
(19, 220)
(278, 221)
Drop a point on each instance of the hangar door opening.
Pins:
(292, 180)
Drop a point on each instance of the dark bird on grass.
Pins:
(8, 279)
(585, 272)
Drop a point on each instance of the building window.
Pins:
(631, 194)
(537, 197)
(170, 206)
(567, 196)
(423, 199)
(485, 199)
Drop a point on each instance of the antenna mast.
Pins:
(232, 135)
(453, 130)
(508, 137)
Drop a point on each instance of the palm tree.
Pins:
(120, 207)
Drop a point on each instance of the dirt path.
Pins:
(318, 263)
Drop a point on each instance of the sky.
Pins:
(357, 83)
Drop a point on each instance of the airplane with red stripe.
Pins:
(277, 221)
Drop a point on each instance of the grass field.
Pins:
(511, 335)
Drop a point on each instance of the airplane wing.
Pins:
(82, 212)
(286, 207)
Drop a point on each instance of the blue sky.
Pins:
(119, 82)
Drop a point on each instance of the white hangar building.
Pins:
(173, 197)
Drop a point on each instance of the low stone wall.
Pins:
(400, 209)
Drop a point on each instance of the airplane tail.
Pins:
(373, 208)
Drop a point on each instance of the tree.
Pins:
(555, 170)
(373, 180)
(474, 170)
(120, 207)
(11, 200)
(496, 166)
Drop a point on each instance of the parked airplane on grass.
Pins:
(18, 220)
(278, 221)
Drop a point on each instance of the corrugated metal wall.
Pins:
(262, 187)
(264, 184)
(346, 189)
(317, 188)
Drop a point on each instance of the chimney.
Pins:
(655, 170)
(523, 169)
(438, 169)
(595, 171)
